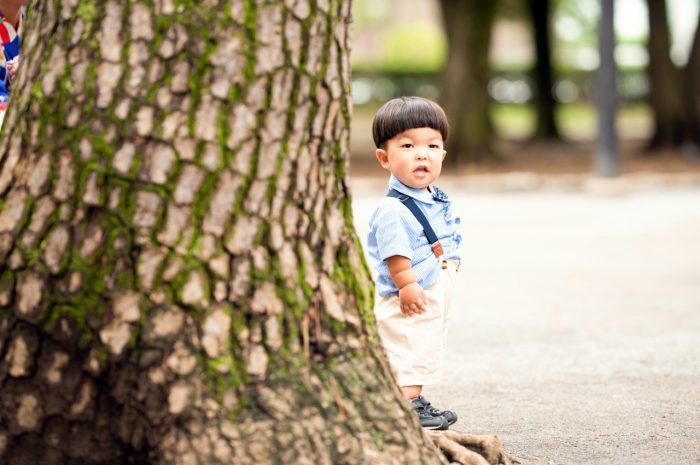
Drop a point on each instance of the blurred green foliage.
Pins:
(389, 39)
(418, 47)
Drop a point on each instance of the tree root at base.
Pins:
(469, 449)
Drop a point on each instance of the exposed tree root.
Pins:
(469, 449)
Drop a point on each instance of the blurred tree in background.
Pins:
(540, 12)
(465, 78)
(673, 90)
(665, 93)
(691, 87)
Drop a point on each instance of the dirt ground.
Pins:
(575, 333)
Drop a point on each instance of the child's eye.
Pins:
(407, 146)
(434, 146)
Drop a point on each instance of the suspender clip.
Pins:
(437, 249)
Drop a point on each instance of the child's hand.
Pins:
(412, 299)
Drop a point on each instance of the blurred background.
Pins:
(518, 80)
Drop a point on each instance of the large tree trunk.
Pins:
(180, 280)
(544, 98)
(665, 80)
(464, 88)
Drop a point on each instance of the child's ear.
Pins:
(444, 154)
(383, 158)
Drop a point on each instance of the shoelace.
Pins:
(430, 409)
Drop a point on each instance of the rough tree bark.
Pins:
(665, 95)
(545, 104)
(463, 92)
(180, 281)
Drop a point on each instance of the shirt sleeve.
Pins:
(392, 224)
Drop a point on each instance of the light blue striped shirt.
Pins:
(395, 231)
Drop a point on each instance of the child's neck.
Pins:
(11, 12)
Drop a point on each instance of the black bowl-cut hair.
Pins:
(403, 113)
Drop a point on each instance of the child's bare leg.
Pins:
(411, 392)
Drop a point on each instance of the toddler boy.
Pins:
(413, 244)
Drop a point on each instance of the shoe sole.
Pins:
(437, 428)
(441, 427)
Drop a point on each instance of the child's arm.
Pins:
(411, 296)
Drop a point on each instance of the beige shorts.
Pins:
(415, 344)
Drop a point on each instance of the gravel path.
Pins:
(575, 333)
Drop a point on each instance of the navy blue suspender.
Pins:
(427, 229)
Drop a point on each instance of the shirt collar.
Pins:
(418, 194)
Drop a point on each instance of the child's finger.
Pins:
(415, 309)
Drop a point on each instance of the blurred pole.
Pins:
(607, 162)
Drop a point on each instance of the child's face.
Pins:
(414, 156)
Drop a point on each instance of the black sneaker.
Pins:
(448, 415)
(427, 419)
